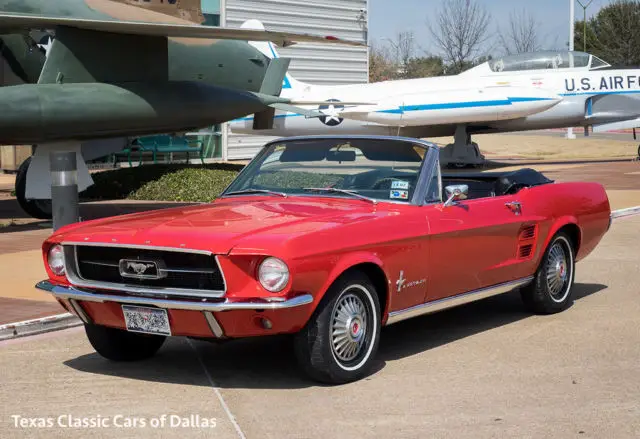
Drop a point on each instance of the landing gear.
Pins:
(40, 209)
(462, 152)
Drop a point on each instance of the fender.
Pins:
(346, 262)
(557, 225)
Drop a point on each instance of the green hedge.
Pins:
(172, 182)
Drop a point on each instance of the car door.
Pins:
(477, 243)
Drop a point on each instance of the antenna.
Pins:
(584, 9)
(572, 22)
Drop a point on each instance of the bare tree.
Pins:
(381, 64)
(402, 48)
(521, 34)
(460, 29)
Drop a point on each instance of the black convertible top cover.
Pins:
(516, 180)
(505, 182)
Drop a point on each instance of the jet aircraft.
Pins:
(514, 93)
(84, 75)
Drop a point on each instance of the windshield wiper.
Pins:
(256, 191)
(340, 191)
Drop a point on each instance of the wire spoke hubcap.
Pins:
(557, 271)
(348, 327)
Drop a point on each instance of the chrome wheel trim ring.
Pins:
(559, 272)
(352, 328)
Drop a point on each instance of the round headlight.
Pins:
(55, 258)
(273, 274)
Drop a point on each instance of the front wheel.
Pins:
(552, 288)
(120, 345)
(338, 343)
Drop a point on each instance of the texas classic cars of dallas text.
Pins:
(327, 239)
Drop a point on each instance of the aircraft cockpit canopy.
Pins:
(547, 61)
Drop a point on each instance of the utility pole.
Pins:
(572, 23)
(584, 9)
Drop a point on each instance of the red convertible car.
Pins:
(329, 239)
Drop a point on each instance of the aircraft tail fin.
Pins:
(274, 77)
(271, 86)
(268, 49)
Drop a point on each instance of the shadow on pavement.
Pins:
(269, 363)
(103, 209)
(508, 162)
(428, 332)
(16, 227)
(10, 209)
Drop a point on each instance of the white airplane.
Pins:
(530, 91)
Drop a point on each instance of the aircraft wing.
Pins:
(12, 22)
(622, 125)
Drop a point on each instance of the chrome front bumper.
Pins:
(61, 292)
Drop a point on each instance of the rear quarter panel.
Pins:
(556, 205)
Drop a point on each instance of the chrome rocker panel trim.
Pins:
(61, 292)
(453, 301)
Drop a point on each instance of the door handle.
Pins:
(514, 206)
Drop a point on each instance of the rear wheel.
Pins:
(119, 345)
(338, 343)
(551, 290)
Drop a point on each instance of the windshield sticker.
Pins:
(399, 195)
(399, 184)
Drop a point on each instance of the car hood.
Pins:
(220, 226)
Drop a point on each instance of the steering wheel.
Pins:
(349, 181)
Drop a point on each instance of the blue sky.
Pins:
(387, 17)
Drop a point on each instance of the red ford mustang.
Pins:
(327, 238)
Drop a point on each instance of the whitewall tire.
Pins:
(340, 340)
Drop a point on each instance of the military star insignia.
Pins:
(47, 46)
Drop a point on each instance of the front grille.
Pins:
(178, 270)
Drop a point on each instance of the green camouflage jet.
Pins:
(84, 75)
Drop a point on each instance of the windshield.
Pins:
(379, 169)
(540, 61)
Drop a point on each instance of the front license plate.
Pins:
(146, 320)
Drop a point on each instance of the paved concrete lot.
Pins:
(486, 370)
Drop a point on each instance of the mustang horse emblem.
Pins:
(139, 268)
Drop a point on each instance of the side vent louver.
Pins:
(525, 251)
(526, 241)
(528, 232)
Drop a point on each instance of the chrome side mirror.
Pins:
(455, 193)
